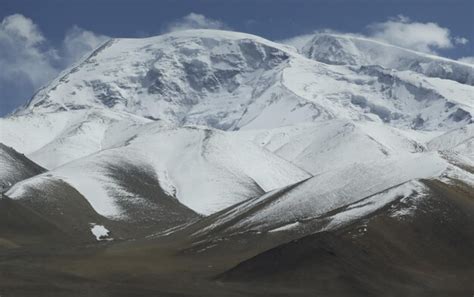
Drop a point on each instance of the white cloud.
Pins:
(24, 61)
(460, 40)
(426, 37)
(194, 21)
(28, 60)
(18, 26)
(469, 60)
(78, 42)
(401, 31)
(23, 49)
(298, 41)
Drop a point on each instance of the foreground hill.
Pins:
(15, 167)
(157, 178)
(416, 247)
(404, 248)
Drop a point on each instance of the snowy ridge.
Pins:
(230, 80)
(357, 210)
(341, 49)
(362, 208)
(15, 167)
(53, 139)
(327, 192)
(204, 169)
(162, 77)
(332, 144)
(372, 93)
(459, 141)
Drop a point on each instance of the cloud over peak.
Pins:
(425, 37)
(28, 60)
(78, 42)
(195, 21)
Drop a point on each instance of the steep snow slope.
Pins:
(52, 139)
(330, 191)
(30, 132)
(230, 81)
(371, 93)
(459, 141)
(327, 145)
(204, 169)
(197, 74)
(339, 49)
(388, 249)
(15, 167)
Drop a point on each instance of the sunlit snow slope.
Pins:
(206, 170)
(210, 119)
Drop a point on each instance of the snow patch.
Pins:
(27, 186)
(100, 232)
(286, 227)
(362, 208)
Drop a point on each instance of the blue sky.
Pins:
(40, 38)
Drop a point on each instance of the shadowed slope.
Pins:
(412, 248)
(15, 167)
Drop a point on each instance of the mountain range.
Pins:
(243, 167)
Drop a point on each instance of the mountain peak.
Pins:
(163, 77)
(230, 80)
(344, 49)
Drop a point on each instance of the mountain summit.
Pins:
(231, 81)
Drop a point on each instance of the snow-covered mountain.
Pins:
(230, 81)
(377, 184)
(337, 49)
(204, 169)
(198, 122)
